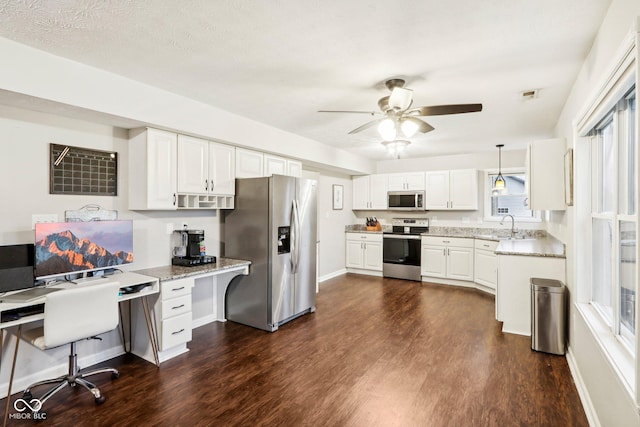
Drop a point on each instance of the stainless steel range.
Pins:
(401, 248)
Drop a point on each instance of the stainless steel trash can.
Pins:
(548, 316)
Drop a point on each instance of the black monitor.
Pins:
(16, 267)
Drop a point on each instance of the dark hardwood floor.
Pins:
(378, 352)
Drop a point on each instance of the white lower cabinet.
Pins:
(364, 251)
(447, 257)
(173, 313)
(485, 271)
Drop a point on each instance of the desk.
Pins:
(189, 297)
(124, 279)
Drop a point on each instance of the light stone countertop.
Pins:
(535, 242)
(541, 247)
(172, 272)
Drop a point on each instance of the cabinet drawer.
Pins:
(447, 241)
(489, 245)
(175, 306)
(365, 237)
(175, 288)
(175, 331)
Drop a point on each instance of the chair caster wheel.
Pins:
(100, 400)
(115, 375)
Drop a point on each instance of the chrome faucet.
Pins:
(513, 223)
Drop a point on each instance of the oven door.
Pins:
(401, 249)
(401, 256)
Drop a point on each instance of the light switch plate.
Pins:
(43, 218)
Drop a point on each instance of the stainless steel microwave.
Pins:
(405, 200)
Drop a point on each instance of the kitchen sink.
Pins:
(492, 237)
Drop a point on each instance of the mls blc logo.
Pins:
(28, 410)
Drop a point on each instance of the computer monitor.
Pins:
(16, 267)
(75, 247)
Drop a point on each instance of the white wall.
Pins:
(332, 224)
(609, 401)
(76, 87)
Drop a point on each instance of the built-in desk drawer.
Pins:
(175, 331)
(175, 306)
(176, 288)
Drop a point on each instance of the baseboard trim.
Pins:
(332, 275)
(204, 320)
(583, 392)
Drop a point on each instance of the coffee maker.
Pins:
(190, 249)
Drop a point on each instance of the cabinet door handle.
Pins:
(206, 185)
(174, 199)
(177, 307)
(448, 251)
(486, 246)
(178, 289)
(446, 241)
(444, 252)
(178, 332)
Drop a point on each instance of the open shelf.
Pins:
(199, 201)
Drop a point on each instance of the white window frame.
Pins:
(622, 77)
(537, 217)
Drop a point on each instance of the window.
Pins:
(614, 220)
(513, 202)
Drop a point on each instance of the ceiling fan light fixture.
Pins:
(401, 98)
(396, 147)
(387, 129)
(409, 127)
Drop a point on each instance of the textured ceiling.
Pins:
(280, 61)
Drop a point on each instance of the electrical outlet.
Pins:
(43, 218)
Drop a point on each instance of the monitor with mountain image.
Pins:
(64, 248)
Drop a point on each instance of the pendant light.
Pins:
(500, 186)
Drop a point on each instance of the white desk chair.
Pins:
(71, 315)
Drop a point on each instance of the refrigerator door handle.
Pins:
(295, 237)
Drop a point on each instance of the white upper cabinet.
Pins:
(463, 189)
(294, 168)
(222, 169)
(545, 175)
(152, 169)
(406, 181)
(437, 193)
(274, 165)
(193, 165)
(370, 192)
(205, 167)
(452, 190)
(249, 163)
(254, 164)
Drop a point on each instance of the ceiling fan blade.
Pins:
(373, 113)
(423, 126)
(410, 125)
(365, 126)
(441, 110)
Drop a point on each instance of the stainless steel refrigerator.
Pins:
(273, 225)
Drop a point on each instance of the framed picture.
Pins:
(338, 196)
(568, 177)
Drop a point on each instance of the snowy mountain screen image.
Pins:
(74, 247)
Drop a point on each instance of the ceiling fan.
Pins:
(398, 116)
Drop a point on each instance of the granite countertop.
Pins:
(361, 228)
(540, 247)
(530, 242)
(172, 272)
